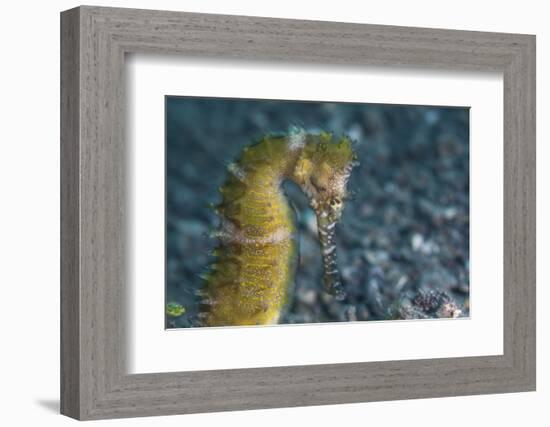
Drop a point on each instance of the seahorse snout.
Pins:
(327, 238)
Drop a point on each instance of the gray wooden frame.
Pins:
(94, 382)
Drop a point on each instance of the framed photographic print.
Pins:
(262, 213)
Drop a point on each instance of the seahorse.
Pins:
(250, 279)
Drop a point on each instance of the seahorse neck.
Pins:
(278, 165)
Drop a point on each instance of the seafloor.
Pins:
(403, 241)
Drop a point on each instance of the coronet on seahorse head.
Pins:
(322, 172)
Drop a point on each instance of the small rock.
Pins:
(307, 296)
(376, 257)
(449, 310)
(416, 241)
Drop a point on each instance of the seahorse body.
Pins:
(249, 282)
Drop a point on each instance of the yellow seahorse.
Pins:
(249, 282)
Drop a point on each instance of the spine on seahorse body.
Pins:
(250, 280)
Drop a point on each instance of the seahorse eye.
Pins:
(335, 203)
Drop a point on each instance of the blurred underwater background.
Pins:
(403, 241)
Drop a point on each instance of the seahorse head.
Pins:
(322, 172)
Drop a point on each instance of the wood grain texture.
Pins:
(94, 382)
(70, 221)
